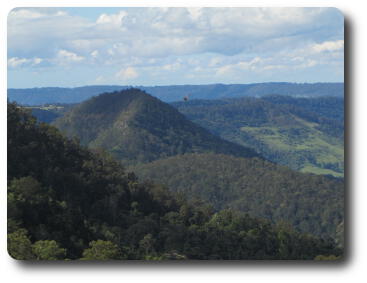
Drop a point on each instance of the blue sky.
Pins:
(159, 46)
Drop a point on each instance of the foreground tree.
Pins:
(48, 250)
(101, 250)
(19, 245)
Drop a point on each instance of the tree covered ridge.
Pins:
(311, 203)
(136, 128)
(66, 202)
(306, 134)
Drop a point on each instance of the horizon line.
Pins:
(136, 86)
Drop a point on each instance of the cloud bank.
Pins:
(179, 45)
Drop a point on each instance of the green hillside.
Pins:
(311, 203)
(66, 202)
(304, 134)
(136, 127)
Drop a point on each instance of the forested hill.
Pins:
(38, 96)
(65, 202)
(311, 203)
(306, 134)
(136, 127)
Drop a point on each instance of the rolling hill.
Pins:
(136, 127)
(306, 134)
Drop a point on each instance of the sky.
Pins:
(68, 47)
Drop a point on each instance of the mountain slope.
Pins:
(36, 96)
(311, 203)
(136, 127)
(65, 202)
(304, 134)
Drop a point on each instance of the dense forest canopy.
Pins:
(306, 134)
(67, 202)
(311, 203)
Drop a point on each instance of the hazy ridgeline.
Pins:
(37, 96)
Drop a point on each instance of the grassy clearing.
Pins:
(320, 171)
(327, 152)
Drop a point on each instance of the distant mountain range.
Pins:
(39, 96)
(136, 127)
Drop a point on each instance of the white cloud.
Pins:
(37, 61)
(195, 12)
(112, 19)
(215, 61)
(252, 64)
(15, 62)
(224, 70)
(33, 13)
(81, 44)
(38, 32)
(25, 14)
(298, 59)
(100, 79)
(307, 64)
(329, 46)
(172, 67)
(94, 53)
(211, 42)
(154, 32)
(65, 56)
(127, 74)
(274, 67)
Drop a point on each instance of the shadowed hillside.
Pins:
(136, 127)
